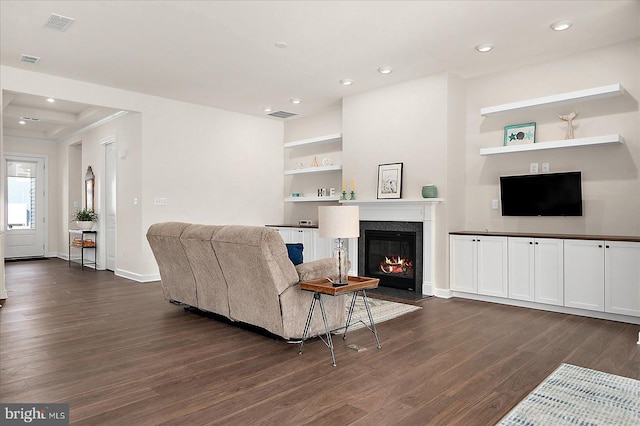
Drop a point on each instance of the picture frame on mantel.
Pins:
(390, 181)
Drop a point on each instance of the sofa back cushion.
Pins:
(178, 282)
(257, 270)
(211, 287)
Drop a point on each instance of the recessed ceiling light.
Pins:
(22, 122)
(295, 101)
(281, 44)
(346, 82)
(565, 24)
(51, 100)
(484, 47)
(267, 109)
(385, 70)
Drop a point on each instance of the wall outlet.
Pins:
(545, 167)
(533, 168)
(495, 204)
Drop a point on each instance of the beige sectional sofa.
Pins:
(242, 273)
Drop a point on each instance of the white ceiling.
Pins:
(222, 53)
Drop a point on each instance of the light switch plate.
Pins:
(545, 167)
(533, 168)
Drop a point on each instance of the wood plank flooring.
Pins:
(119, 354)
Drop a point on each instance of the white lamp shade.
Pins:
(339, 221)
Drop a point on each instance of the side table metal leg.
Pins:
(351, 306)
(308, 323)
(326, 327)
(373, 324)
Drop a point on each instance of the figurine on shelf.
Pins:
(344, 195)
(569, 119)
(353, 195)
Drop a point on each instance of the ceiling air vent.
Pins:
(29, 119)
(58, 22)
(282, 114)
(29, 59)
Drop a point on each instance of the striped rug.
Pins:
(579, 396)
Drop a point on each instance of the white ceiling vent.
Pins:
(29, 119)
(282, 114)
(29, 59)
(58, 22)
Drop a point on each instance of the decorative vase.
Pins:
(429, 191)
(84, 225)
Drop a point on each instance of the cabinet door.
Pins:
(521, 268)
(306, 237)
(584, 274)
(285, 233)
(492, 266)
(622, 278)
(549, 271)
(463, 263)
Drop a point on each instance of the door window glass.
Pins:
(21, 195)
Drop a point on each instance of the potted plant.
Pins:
(84, 219)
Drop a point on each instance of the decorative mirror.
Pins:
(89, 181)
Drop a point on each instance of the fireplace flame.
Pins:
(395, 265)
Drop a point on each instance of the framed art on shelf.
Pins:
(389, 180)
(520, 134)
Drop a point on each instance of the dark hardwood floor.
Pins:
(119, 354)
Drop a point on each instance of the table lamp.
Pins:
(339, 222)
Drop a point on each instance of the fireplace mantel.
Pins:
(406, 210)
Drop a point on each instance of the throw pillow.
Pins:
(295, 252)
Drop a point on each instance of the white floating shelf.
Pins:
(569, 143)
(394, 201)
(318, 169)
(334, 137)
(311, 199)
(579, 95)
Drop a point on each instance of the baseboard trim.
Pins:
(443, 293)
(137, 277)
(551, 308)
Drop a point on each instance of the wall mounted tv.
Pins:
(549, 194)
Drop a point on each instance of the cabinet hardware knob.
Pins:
(607, 246)
(536, 243)
(600, 245)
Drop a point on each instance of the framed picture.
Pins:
(520, 134)
(390, 180)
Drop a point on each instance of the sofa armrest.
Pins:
(321, 268)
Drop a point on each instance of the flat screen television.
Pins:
(549, 194)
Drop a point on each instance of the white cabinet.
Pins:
(536, 270)
(315, 247)
(479, 264)
(622, 277)
(584, 274)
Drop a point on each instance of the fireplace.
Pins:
(392, 252)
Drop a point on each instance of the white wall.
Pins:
(213, 166)
(611, 182)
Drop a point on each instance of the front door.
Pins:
(25, 215)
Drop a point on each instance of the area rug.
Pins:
(381, 310)
(579, 396)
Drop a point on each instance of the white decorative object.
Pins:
(569, 119)
(326, 161)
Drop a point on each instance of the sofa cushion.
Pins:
(295, 252)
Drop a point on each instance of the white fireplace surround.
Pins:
(403, 210)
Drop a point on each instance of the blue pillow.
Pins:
(295, 252)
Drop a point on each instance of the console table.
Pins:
(78, 240)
